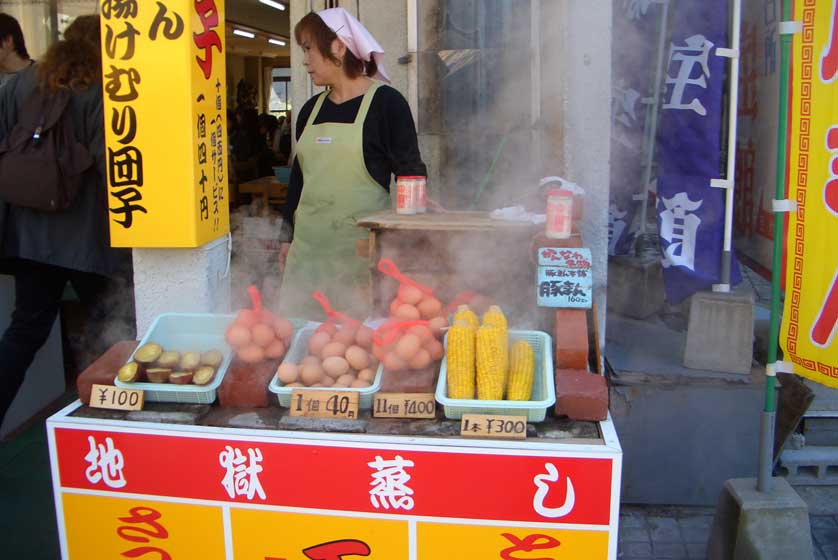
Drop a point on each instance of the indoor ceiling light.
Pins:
(273, 4)
(242, 33)
(277, 42)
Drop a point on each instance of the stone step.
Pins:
(817, 465)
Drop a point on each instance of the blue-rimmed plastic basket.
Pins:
(298, 351)
(186, 332)
(543, 390)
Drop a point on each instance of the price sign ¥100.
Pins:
(108, 396)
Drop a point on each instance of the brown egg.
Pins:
(288, 373)
(436, 325)
(407, 346)
(367, 375)
(407, 312)
(317, 341)
(394, 306)
(410, 294)
(357, 357)
(310, 360)
(335, 366)
(344, 380)
(379, 351)
(275, 350)
(251, 354)
(346, 335)
(329, 328)
(311, 374)
(363, 337)
(359, 384)
(429, 307)
(295, 384)
(333, 349)
(284, 328)
(327, 381)
(263, 335)
(435, 349)
(247, 318)
(392, 362)
(421, 360)
(422, 331)
(237, 335)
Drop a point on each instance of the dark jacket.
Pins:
(76, 238)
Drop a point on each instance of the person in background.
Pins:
(46, 250)
(351, 140)
(269, 129)
(13, 54)
(284, 140)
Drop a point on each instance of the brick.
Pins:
(634, 534)
(581, 395)
(247, 385)
(570, 337)
(664, 530)
(674, 550)
(635, 550)
(103, 370)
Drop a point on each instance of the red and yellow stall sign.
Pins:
(165, 121)
(810, 315)
(277, 498)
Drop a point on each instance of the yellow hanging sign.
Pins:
(810, 314)
(165, 121)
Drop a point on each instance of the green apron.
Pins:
(338, 190)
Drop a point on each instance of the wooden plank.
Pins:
(493, 426)
(404, 405)
(449, 221)
(313, 403)
(115, 398)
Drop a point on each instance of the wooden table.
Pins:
(269, 188)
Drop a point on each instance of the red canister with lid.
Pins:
(559, 214)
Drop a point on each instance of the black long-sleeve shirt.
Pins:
(389, 139)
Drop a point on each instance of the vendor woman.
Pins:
(351, 139)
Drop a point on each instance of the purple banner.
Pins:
(690, 211)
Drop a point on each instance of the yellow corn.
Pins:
(494, 317)
(467, 316)
(460, 361)
(490, 382)
(521, 372)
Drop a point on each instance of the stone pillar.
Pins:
(181, 280)
(38, 21)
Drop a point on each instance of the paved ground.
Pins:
(648, 533)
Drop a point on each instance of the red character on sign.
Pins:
(825, 325)
(208, 38)
(148, 517)
(829, 55)
(336, 550)
(528, 544)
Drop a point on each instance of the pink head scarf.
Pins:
(356, 38)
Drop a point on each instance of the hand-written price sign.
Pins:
(493, 426)
(564, 278)
(313, 403)
(108, 396)
(404, 405)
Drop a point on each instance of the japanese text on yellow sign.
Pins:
(165, 121)
(810, 315)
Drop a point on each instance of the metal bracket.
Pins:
(784, 205)
(779, 366)
(790, 27)
(638, 197)
(727, 53)
(721, 183)
(721, 288)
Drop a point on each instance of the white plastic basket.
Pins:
(298, 351)
(543, 389)
(186, 332)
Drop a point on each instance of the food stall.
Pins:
(397, 469)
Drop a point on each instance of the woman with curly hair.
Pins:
(46, 250)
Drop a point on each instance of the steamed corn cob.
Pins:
(521, 372)
(490, 381)
(466, 315)
(460, 361)
(494, 317)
